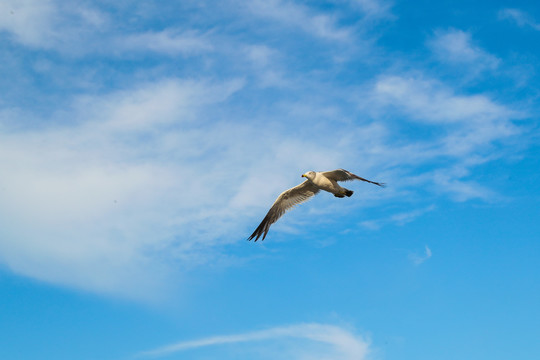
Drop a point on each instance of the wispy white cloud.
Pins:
(168, 41)
(407, 217)
(520, 17)
(373, 8)
(267, 65)
(399, 219)
(51, 24)
(430, 101)
(299, 16)
(456, 47)
(106, 194)
(304, 341)
(419, 259)
(151, 105)
(465, 127)
(29, 21)
(82, 29)
(451, 181)
(480, 120)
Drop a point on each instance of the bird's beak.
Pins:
(303, 175)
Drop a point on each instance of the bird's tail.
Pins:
(349, 193)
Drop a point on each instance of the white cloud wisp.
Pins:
(304, 341)
(419, 259)
(429, 101)
(456, 47)
(301, 17)
(520, 17)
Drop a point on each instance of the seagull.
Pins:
(315, 181)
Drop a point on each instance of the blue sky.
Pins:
(141, 143)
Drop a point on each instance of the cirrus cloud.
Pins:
(303, 341)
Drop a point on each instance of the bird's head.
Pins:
(309, 175)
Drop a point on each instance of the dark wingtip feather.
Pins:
(260, 230)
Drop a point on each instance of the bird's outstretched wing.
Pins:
(344, 175)
(285, 201)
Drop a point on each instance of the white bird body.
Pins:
(316, 181)
(324, 183)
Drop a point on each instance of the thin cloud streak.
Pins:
(520, 17)
(169, 41)
(79, 30)
(340, 344)
(456, 47)
(374, 8)
(420, 259)
(398, 219)
(429, 101)
(301, 17)
(53, 24)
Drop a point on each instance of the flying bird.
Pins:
(315, 181)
